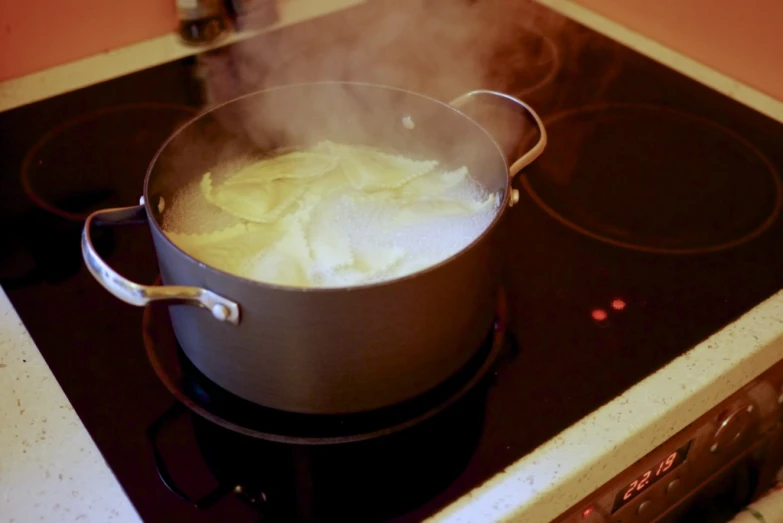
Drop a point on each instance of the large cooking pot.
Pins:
(323, 350)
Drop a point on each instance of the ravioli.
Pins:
(433, 183)
(293, 165)
(227, 249)
(370, 170)
(370, 265)
(261, 202)
(328, 240)
(428, 209)
(287, 260)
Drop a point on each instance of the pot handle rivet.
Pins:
(535, 151)
(136, 294)
(220, 312)
(514, 199)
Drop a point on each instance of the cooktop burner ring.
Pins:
(554, 61)
(193, 390)
(563, 211)
(149, 136)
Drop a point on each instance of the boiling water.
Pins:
(373, 229)
(334, 239)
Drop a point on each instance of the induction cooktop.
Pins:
(651, 221)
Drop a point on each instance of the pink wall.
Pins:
(36, 34)
(741, 38)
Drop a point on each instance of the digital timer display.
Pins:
(649, 477)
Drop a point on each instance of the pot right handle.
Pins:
(135, 293)
(535, 151)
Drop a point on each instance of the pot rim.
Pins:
(365, 286)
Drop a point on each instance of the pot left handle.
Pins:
(140, 295)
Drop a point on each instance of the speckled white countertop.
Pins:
(50, 470)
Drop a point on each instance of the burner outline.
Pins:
(758, 231)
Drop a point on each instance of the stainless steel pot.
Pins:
(323, 350)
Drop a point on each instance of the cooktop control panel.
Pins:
(728, 456)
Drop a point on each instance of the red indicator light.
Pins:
(618, 304)
(599, 315)
(586, 513)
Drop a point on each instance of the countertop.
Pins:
(50, 470)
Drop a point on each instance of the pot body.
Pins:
(335, 350)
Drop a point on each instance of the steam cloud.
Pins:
(440, 48)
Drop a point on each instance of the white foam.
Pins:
(371, 228)
(189, 212)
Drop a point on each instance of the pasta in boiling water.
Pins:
(333, 215)
(433, 185)
(284, 262)
(229, 248)
(294, 165)
(370, 170)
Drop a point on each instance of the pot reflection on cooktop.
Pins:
(370, 480)
(98, 160)
(653, 179)
(298, 467)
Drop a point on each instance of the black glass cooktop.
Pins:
(651, 221)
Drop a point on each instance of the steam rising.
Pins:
(440, 48)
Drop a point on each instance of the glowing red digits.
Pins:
(644, 481)
(631, 488)
(669, 461)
